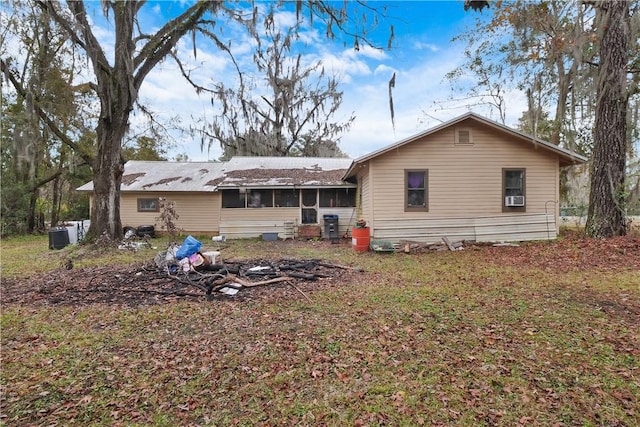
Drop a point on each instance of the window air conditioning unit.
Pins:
(514, 201)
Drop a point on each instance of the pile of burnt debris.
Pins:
(178, 273)
(188, 265)
(231, 276)
(148, 284)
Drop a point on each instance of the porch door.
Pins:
(309, 206)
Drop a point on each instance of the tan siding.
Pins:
(196, 211)
(202, 212)
(246, 223)
(243, 223)
(465, 181)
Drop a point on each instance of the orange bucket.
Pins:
(360, 239)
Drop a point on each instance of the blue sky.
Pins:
(422, 54)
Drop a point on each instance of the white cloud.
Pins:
(384, 70)
(417, 87)
(308, 37)
(345, 70)
(418, 45)
(284, 19)
(366, 52)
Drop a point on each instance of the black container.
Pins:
(146, 230)
(58, 237)
(331, 227)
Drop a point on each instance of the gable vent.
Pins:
(463, 136)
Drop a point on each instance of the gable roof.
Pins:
(567, 157)
(238, 172)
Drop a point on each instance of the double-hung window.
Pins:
(148, 205)
(513, 190)
(416, 190)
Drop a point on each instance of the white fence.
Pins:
(580, 221)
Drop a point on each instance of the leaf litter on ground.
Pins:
(541, 334)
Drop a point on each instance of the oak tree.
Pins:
(119, 68)
(284, 108)
(607, 210)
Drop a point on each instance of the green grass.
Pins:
(430, 339)
(27, 255)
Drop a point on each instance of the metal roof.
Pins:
(238, 172)
(284, 171)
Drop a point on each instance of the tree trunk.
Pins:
(31, 214)
(561, 105)
(56, 198)
(117, 92)
(607, 216)
(107, 177)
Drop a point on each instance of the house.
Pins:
(243, 197)
(467, 179)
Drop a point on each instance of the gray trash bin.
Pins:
(331, 227)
